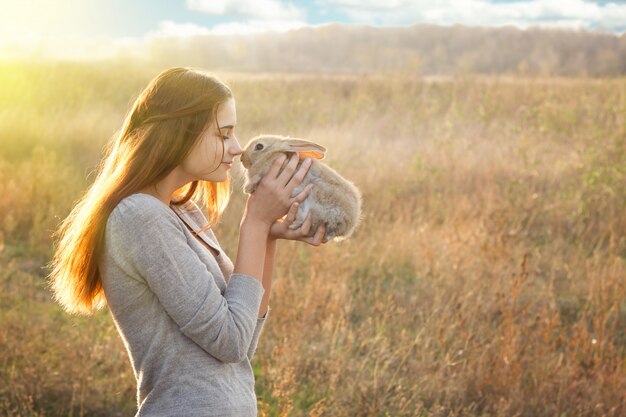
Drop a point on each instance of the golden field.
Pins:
(487, 277)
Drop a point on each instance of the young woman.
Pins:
(139, 243)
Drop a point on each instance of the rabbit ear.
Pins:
(307, 149)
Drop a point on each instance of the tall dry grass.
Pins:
(487, 278)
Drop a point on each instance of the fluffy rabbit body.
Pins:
(333, 200)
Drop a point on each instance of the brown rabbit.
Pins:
(333, 200)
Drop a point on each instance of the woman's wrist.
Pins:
(253, 223)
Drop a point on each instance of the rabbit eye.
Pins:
(258, 147)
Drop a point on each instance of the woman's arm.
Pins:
(149, 244)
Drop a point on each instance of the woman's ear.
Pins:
(307, 149)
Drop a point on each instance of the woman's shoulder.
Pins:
(140, 208)
(142, 203)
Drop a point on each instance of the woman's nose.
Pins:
(236, 148)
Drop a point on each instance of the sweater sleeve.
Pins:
(257, 332)
(155, 248)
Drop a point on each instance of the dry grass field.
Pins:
(487, 278)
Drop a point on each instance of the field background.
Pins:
(487, 277)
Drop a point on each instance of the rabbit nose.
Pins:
(244, 161)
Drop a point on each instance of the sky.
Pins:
(24, 22)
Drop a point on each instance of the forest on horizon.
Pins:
(419, 49)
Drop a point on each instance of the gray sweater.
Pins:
(189, 325)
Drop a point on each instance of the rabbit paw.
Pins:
(303, 211)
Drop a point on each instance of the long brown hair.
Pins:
(162, 126)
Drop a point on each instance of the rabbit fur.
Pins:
(333, 200)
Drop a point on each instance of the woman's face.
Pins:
(206, 161)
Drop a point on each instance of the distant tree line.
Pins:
(421, 49)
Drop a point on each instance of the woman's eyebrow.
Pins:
(226, 127)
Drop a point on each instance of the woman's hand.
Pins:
(280, 229)
(272, 198)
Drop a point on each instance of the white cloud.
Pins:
(253, 9)
(559, 13)
(256, 26)
(182, 30)
(167, 28)
(252, 16)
